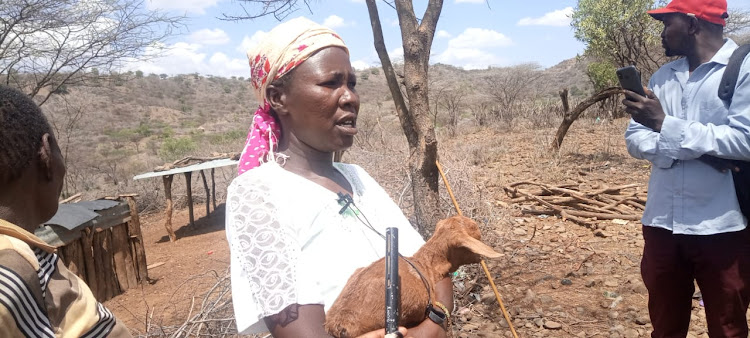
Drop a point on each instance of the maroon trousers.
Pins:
(720, 264)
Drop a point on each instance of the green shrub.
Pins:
(175, 148)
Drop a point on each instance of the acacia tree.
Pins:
(412, 105)
(48, 44)
(620, 33)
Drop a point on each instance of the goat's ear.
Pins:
(477, 247)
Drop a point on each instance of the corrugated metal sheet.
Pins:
(195, 167)
(71, 219)
(71, 216)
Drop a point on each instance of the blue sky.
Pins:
(471, 34)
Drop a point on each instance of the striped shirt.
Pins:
(40, 297)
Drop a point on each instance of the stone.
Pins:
(469, 327)
(487, 297)
(538, 322)
(566, 281)
(601, 233)
(552, 325)
(630, 333)
(642, 320)
(613, 314)
(519, 231)
(611, 283)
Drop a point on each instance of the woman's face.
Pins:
(319, 106)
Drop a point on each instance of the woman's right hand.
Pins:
(381, 333)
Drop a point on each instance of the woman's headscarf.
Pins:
(284, 48)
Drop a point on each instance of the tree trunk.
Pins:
(420, 133)
(573, 115)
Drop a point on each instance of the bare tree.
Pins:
(452, 100)
(416, 37)
(66, 117)
(508, 85)
(48, 44)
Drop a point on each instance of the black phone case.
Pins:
(630, 79)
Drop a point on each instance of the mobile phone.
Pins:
(630, 79)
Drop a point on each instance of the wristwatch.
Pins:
(436, 315)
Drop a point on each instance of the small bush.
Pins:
(175, 148)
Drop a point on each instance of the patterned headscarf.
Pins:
(284, 48)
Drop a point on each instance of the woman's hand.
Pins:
(428, 328)
(381, 333)
(307, 321)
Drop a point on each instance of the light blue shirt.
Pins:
(685, 195)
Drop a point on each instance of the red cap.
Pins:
(714, 11)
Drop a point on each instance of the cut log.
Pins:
(213, 187)
(189, 188)
(72, 256)
(122, 258)
(136, 242)
(208, 194)
(87, 244)
(168, 212)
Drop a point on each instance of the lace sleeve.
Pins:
(266, 251)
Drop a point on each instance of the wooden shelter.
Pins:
(101, 242)
(167, 174)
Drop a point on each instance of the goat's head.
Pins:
(462, 238)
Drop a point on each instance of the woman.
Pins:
(295, 235)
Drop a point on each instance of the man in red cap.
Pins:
(693, 228)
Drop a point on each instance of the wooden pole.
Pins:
(168, 213)
(136, 241)
(213, 187)
(208, 194)
(484, 266)
(189, 186)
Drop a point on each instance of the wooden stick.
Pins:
(71, 198)
(560, 211)
(168, 212)
(208, 194)
(189, 187)
(136, 241)
(484, 266)
(213, 188)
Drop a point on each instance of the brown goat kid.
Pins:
(360, 307)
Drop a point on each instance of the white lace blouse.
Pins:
(290, 244)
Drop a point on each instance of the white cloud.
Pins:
(479, 38)
(397, 54)
(472, 49)
(210, 37)
(469, 58)
(335, 21)
(186, 58)
(191, 6)
(443, 34)
(471, 1)
(360, 64)
(560, 17)
(358, 1)
(394, 22)
(250, 42)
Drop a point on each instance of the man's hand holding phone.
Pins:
(640, 103)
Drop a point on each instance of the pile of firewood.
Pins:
(572, 203)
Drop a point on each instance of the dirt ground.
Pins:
(556, 278)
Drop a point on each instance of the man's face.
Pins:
(675, 37)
